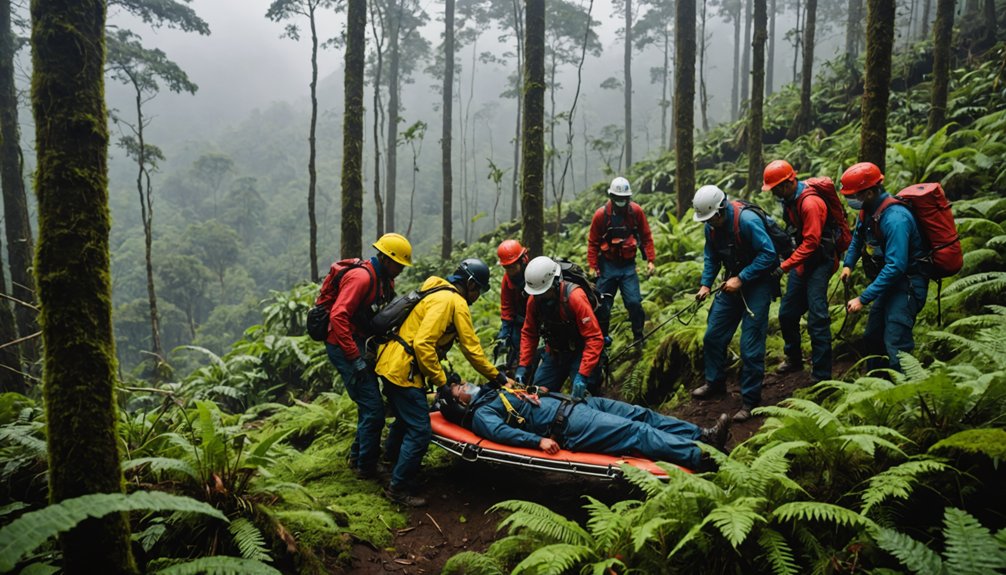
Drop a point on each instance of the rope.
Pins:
(692, 307)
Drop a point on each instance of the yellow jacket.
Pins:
(430, 329)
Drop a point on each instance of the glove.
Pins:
(520, 374)
(579, 386)
(504, 332)
(777, 273)
(359, 365)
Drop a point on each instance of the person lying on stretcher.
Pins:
(595, 424)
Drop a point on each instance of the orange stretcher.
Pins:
(470, 447)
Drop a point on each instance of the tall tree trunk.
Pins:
(770, 60)
(927, 8)
(147, 217)
(518, 18)
(352, 130)
(20, 246)
(877, 80)
(378, 116)
(942, 34)
(684, 103)
(627, 62)
(805, 117)
(755, 118)
(312, 171)
(532, 162)
(853, 31)
(73, 274)
(11, 376)
(703, 95)
(991, 23)
(664, 102)
(735, 90)
(394, 62)
(798, 38)
(746, 58)
(447, 209)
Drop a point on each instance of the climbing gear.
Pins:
(396, 247)
(509, 251)
(540, 275)
(859, 177)
(836, 235)
(692, 307)
(475, 270)
(707, 201)
(620, 243)
(620, 187)
(777, 172)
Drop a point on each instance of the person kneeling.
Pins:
(594, 424)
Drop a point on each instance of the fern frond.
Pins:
(532, 518)
(971, 549)
(506, 549)
(778, 553)
(555, 559)
(819, 511)
(650, 531)
(643, 480)
(920, 559)
(607, 524)
(220, 565)
(23, 435)
(912, 367)
(472, 562)
(249, 540)
(160, 465)
(736, 519)
(32, 529)
(898, 482)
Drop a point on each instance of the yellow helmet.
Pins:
(396, 247)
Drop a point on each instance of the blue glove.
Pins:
(520, 374)
(359, 365)
(505, 330)
(579, 386)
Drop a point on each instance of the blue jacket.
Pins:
(753, 234)
(490, 419)
(903, 247)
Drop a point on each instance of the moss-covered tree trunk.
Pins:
(312, 147)
(447, 209)
(805, 117)
(72, 274)
(352, 130)
(627, 93)
(877, 81)
(11, 378)
(684, 103)
(942, 34)
(756, 110)
(533, 147)
(20, 245)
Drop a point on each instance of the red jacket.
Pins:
(576, 310)
(512, 300)
(598, 229)
(812, 212)
(359, 289)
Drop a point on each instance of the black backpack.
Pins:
(573, 273)
(386, 322)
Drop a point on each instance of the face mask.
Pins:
(620, 203)
(471, 390)
(855, 204)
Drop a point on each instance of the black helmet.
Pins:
(476, 270)
(450, 408)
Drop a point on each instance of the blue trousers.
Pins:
(369, 408)
(892, 318)
(409, 435)
(620, 276)
(808, 294)
(555, 368)
(727, 312)
(603, 425)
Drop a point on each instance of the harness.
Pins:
(557, 428)
(873, 262)
(561, 333)
(729, 247)
(827, 249)
(620, 242)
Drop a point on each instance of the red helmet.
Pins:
(859, 177)
(509, 252)
(777, 172)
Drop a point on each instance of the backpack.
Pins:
(621, 247)
(935, 219)
(573, 273)
(824, 188)
(781, 241)
(317, 316)
(385, 323)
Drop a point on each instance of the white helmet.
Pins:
(620, 187)
(707, 201)
(540, 274)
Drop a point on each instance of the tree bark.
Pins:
(927, 8)
(735, 90)
(352, 130)
(798, 37)
(991, 23)
(447, 210)
(73, 274)
(378, 115)
(756, 108)
(770, 60)
(684, 103)
(518, 36)
(147, 217)
(627, 62)
(746, 58)
(942, 34)
(532, 161)
(665, 81)
(853, 31)
(20, 245)
(11, 377)
(805, 117)
(394, 61)
(877, 81)
(312, 171)
(703, 95)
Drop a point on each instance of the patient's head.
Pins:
(454, 400)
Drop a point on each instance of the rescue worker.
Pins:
(362, 291)
(560, 312)
(596, 425)
(809, 269)
(513, 299)
(410, 364)
(740, 244)
(898, 283)
(618, 230)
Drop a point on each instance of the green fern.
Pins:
(160, 465)
(970, 548)
(470, 562)
(820, 511)
(555, 559)
(535, 519)
(736, 519)
(219, 565)
(249, 540)
(32, 529)
(778, 553)
(914, 555)
(898, 482)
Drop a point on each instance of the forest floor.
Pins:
(460, 494)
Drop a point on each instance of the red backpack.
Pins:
(824, 188)
(317, 317)
(936, 223)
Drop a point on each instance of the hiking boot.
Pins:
(743, 414)
(789, 365)
(706, 464)
(709, 390)
(379, 472)
(401, 497)
(718, 434)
